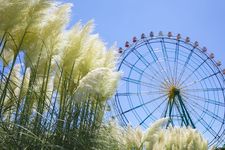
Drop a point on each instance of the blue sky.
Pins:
(119, 20)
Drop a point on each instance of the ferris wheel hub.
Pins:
(173, 92)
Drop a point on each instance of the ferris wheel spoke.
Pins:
(151, 51)
(165, 55)
(175, 66)
(200, 80)
(166, 59)
(156, 59)
(144, 61)
(210, 101)
(149, 115)
(148, 102)
(139, 71)
(137, 82)
(203, 122)
(206, 111)
(132, 66)
(185, 65)
(205, 90)
(193, 72)
(140, 93)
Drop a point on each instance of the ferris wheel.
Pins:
(170, 76)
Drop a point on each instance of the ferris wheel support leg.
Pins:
(170, 106)
(183, 119)
(185, 112)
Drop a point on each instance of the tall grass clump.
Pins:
(157, 137)
(54, 81)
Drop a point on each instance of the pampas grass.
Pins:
(54, 81)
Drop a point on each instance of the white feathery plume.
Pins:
(68, 56)
(13, 13)
(53, 29)
(92, 54)
(99, 84)
(25, 32)
(50, 37)
(115, 128)
(110, 58)
(149, 136)
(37, 9)
(83, 53)
(117, 133)
(133, 137)
(174, 138)
(77, 38)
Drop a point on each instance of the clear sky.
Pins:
(120, 20)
